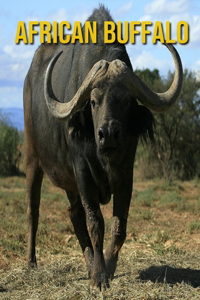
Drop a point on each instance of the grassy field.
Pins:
(159, 260)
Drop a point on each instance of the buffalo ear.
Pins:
(142, 123)
(80, 125)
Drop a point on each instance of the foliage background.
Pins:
(176, 152)
(10, 147)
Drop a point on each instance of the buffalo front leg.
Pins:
(95, 224)
(89, 193)
(34, 176)
(121, 203)
(78, 219)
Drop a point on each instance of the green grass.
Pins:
(146, 197)
(172, 200)
(147, 215)
(194, 226)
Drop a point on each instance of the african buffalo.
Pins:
(82, 124)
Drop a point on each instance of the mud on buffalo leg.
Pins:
(96, 228)
(121, 203)
(78, 218)
(34, 176)
(89, 194)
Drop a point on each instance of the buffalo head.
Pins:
(112, 88)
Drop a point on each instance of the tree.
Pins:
(9, 148)
(177, 132)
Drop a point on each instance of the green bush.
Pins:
(176, 152)
(9, 148)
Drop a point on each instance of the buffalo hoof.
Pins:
(100, 281)
(111, 265)
(32, 264)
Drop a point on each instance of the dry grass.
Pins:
(160, 259)
(139, 276)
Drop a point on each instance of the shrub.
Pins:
(9, 148)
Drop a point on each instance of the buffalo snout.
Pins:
(109, 135)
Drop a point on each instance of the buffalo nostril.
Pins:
(116, 134)
(101, 134)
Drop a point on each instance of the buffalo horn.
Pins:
(158, 102)
(63, 110)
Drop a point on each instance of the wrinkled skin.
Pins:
(90, 154)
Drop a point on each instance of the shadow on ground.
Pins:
(171, 275)
(2, 290)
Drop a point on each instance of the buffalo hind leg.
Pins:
(34, 176)
(78, 219)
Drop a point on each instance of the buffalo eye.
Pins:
(93, 103)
